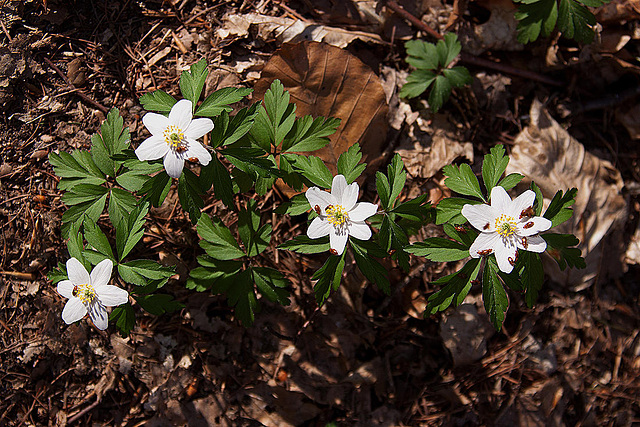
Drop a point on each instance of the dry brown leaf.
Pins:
(286, 30)
(497, 33)
(630, 119)
(545, 153)
(326, 81)
(464, 332)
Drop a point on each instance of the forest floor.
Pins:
(364, 358)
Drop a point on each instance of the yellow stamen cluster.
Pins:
(86, 293)
(174, 137)
(505, 225)
(337, 215)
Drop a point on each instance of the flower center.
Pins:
(337, 215)
(505, 225)
(174, 137)
(85, 292)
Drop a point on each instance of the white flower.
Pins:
(339, 214)
(506, 226)
(90, 293)
(174, 138)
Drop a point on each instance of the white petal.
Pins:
(534, 226)
(483, 242)
(350, 196)
(362, 211)
(65, 288)
(338, 186)
(76, 272)
(156, 123)
(199, 128)
(338, 241)
(360, 230)
(181, 114)
(98, 315)
(481, 215)
(101, 273)
(534, 244)
(73, 311)
(111, 296)
(198, 151)
(319, 228)
(500, 200)
(320, 198)
(152, 148)
(503, 254)
(173, 164)
(520, 203)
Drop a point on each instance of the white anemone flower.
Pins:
(90, 293)
(174, 138)
(505, 226)
(339, 214)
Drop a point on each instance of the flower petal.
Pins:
(73, 311)
(77, 273)
(198, 151)
(111, 296)
(199, 128)
(338, 241)
(181, 114)
(156, 123)
(534, 244)
(500, 200)
(101, 273)
(483, 242)
(362, 211)
(338, 186)
(320, 198)
(98, 315)
(319, 228)
(481, 215)
(520, 203)
(350, 196)
(173, 164)
(65, 288)
(152, 148)
(504, 253)
(534, 226)
(359, 230)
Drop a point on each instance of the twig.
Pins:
(81, 94)
(470, 59)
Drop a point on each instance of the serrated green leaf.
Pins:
(250, 160)
(349, 163)
(228, 130)
(124, 317)
(140, 272)
(192, 81)
(417, 209)
(559, 209)
(275, 119)
(493, 294)
(74, 173)
(219, 176)
(575, 21)
(242, 296)
(190, 195)
(532, 276)
(462, 180)
(457, 76)
(97, 239)
(421, 55)
(510, 181)
(217, 239)
(372, 269)
(440, 92)
(77, 213)
(308, 134)
(156, 188)
(536, 17)
(271, 284)
(296, 206)
(450, 50)
(129, 232)
(220, 101)
(135, 174)
(437, 249)
(314, 169)
(82, 193)
(456, 289)
(158, 100)
(559, 247)
(417, 83)
(158, 304)
(214, 274)
(304, 245)
(384, 189)
(328, 277)
(448, 210)
(493, 166)
(255, 239)
(120, 204)
(75, 244)
(112, 139)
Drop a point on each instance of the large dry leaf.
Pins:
(326, 81)
(545, 153)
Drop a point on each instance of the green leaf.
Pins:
(461, 234)
(296, 206)
(97, 239)
(82, 193)
(328, 277)
(158, 100)
(559, 247)
(372, 269)
(448, 210)
(120, 204)
(559, 209)
(532, 276)
(415, 210)
(349, 163)
(255, 239)
(112, 139)
(462, 180)
(189, 193)
(437, 249)
(75, 244)
(275, 119)
(448, 49)
(125, 318)
(308, 134)
(304, 245)
(216, 275)
(493, 294)
(228, 130)
(222, 184)
(535, 18)
(440, 92)
(156, 188)
(510, 181)
(217, 239)
(192, 82)
(76, 169)
(417, 83)
(575, 21)
(139, 272)
(220, 100)
(58, 274)
(397, 178)
(242, 296)
(250, 160)
(129, 232)
(79, 212)
(135, 174)
(421, 55)
(158, 304)
(314, 169)
(384, 189)
(457, 76)
(493, 166)
(271, 284)
(457, 287)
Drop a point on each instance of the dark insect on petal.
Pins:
(528, 212)
(511, 261)
(485, 252)
(528, 225)
(525, 244)
(75, 291)
(193, 159)
(333, 251)
(317, 209)
(486, 226)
